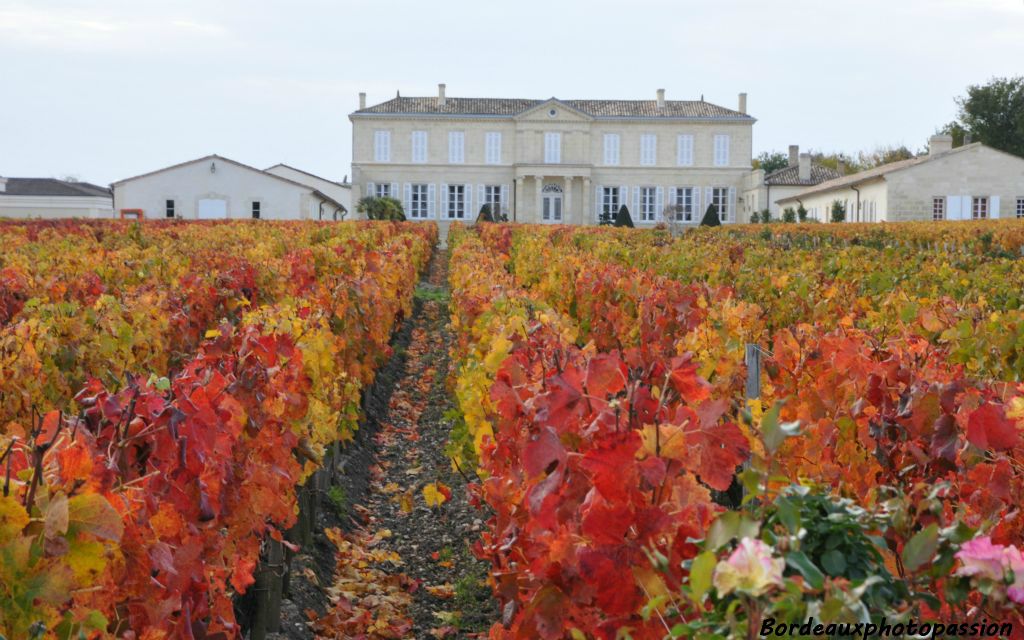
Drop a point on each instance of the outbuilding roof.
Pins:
(790, 176)
(509, 107)
(52, 187)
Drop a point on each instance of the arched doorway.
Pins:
(551, 203)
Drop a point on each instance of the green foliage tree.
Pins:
(622, 218)
(801, 213)
(882, 155)
(384, 208)
(771, 161)
(711, 218)
(993, 113)
(838, 211)
(766, 215)
(789, 215)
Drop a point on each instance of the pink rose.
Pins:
(981, 558)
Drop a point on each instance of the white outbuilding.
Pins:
(49, 198)
(214, 187)
(339, 191)
(972, 182)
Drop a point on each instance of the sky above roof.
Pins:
(107, 89)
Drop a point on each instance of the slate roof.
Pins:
(513, 106)
(52, 187)
(790, 176)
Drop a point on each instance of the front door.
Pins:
(551, 204)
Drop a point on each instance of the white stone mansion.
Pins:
(558, 161)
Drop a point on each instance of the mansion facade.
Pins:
(552, 161)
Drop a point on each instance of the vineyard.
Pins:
(631, 434)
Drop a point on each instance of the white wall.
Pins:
(333, 190)
(238, 186)
(51, 207)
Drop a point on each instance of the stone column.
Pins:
(539, 184)
(567, 202)
(517, 213)
(588, 213)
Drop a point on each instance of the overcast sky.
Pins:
(107, 89)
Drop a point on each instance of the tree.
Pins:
(485, 213)
(789, 215)
(622, 218)
(993, 113)
(801, 213)
(838, 211)
(766, 215)
(711, 218)
(882, 155)
(956, 131)
(771, 161)
(384, 208)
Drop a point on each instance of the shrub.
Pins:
(755, 218)
(838, 212)
(622, 218)
(801, 213)
(385, 208)
(485, 213)
(766, 215)
(789, 215)
(711, 218)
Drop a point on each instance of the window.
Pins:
(382, 190)
(610, 201)
(939, 208)
(552, 147)
(456, 147)
(419, 146)
(648, 149)
(611, 149)
(1020, 207)
(492, 152)
(381, 146)
(683, 204)
(419, 202)
(492, 196)
(720, 198)
(169, 208)
(684, 152)
(648, 204)
(456, 201)
(722, 150)
(979, 208)
(255, 209)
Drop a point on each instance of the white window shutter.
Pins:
(659, 203)
(394, 190)
(707, 201)
(481, 196)
(732, 204)
(635, 209)
(468, 190)
(504, 198)
(598, 194)
(371, 190)
(443, 201)
(407, 198)
(497, 147)
(953, 207)
(697, 211)
(431, 201)
(994, 207)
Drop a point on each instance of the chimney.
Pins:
(805, 167)
(661, 98)
(362, 100)
(743, 103)
(841, 166)
(440, 95)
(794, 155)
(940, 144)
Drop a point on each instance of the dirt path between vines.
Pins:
(404, 569)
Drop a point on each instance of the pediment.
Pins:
(553, 110)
